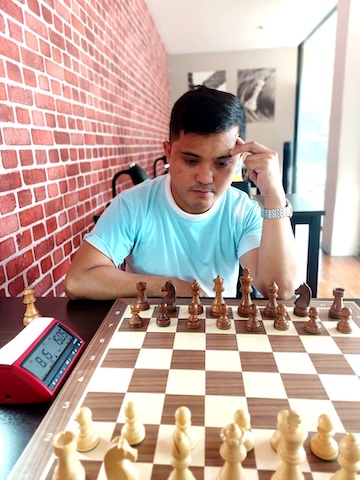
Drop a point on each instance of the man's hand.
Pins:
(263, 167)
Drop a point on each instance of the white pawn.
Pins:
(242, 420)
(87, 438)
(322, 444)
(291, 447)
(349, 458)
(69, 466)
(133, 430)
(181, 458)
(233, 452)
(119, 461)
(183, 423)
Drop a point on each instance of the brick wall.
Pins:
(84, 92)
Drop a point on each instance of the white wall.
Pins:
(284, 60)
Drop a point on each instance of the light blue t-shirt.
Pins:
(145, 226)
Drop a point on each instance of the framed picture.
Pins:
(256, 92)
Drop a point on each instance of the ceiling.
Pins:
(200, 26)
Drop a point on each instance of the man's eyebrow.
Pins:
(227, 155)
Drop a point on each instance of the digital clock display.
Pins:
(56, 349)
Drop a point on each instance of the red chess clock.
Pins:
(35, 364)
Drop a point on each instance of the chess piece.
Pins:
(170, 296)
(223, 322)
(322, 444)
(281, 323)
(313, 325)
(246, 290)
(142, 300)
(193, 322)
(218, 299)
(87, 438)
(195, 289)
(183, 423)
(253, 324)
(271, 308)
(349, 458)
(135, 321)
(233, 452)
(68, 466)
(133, 430)
(301, 304)
(119, 460)
(338, 304)
(242, 420)
(345, 324)
(291, 448)
(275, 439)
(163, 319)
(31, 311)
(181, 458)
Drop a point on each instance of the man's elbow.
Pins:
(71, 288)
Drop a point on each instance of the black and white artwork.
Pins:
(256, 92)
(214, 79)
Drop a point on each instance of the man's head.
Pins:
(205, 111)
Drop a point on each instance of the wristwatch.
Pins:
(286, 211)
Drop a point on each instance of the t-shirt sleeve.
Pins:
(251, 222)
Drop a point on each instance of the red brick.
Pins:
(29, 77)
(51, 225)
(31, 215)
(54, 69)
(44, 248)
(22, 115)
(41, 157)
(36, 25)
(24, 198)
(32, 59)
(16, 286)
(10, 181)
(35, 175)
(9, 159)
(53, 206)
(32, 275)
(50, 120)
(8, 224)
(40, 193)
(45, 48)
(31, 41)
(38, 118)
(7, 248)
(61, 270)
(19, 264)
(44, 101)
(6, 113)
(16, 136)
(43, 286)
(46, 14)
(26, 157)
(63, 235)
(23, 239)
(7, 203)
(53, 190)
(20, 95)
(44, 83)
(39, 231)
(46, 264)
(55, 173)
(61, 137)
(13, 72)
(12, 9)
(9, 49)
(34, 7)
(42, 137)
(2, 279)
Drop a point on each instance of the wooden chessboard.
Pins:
(214, 373)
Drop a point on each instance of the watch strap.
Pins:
(286, 211)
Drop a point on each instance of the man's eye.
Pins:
(191, 161)
(222, 164)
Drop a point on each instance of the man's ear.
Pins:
(167, 149)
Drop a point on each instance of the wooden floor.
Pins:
(336, 272)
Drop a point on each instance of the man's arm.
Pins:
(275, 259)
(93, 275)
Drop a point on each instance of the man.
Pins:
(191, 224)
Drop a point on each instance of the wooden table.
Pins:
(19, 422)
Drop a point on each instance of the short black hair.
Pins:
(206, 111)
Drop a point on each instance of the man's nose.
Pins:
(204, 176)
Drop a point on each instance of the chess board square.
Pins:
(186, 382)
(320, 344)
(110, 380)
(334, 364)
(294, 362)
(354, 361)
(127, 340)
(304, 386)
(263, 385)
(342, 387)
(212, 447)
(270, 330)
(96, 401)
(265, 456)
(126, 327)
(240, 327)
(251, 362)
(159, 339)
(310, 411)
(146, 449)
(222, 360)
(157, 358)
(300, 328)
(350, 414)
(154, 328)
(125, 358)
(149, 406)
(190, 340)
(263, 411)
(253, 343)
(196, 404)
(224, 383)
(292, 344)
(348, 345)
(211, 327)
(148, 380)
(216, 415)
(182, 326)
(184, 312)
(331, 327)
(220, 341)
(188, 360)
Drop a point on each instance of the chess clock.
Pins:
(35, 364)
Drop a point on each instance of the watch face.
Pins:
(47, 352)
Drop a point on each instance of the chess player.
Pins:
(192, 224)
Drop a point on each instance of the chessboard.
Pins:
(214, 372)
